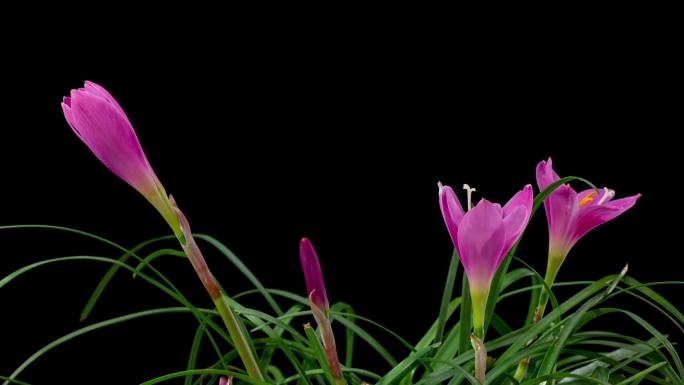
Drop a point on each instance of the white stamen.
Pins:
(469, 191)
(607, 194)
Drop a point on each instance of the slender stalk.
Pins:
(477, 338)
(232, 322)
(233, 325)
(329, 346)
(480, 358)
(553, 265)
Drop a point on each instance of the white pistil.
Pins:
(469, 191)
(607, 194)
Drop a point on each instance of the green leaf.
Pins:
(370, 340)
(405, 366)
(465, 320)
(156, 254)
(243, 269)
(315, 345)
(446, 296)
(637, 378)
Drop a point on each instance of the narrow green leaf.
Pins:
(156, 254)
(405, 366)
(243, 269)
(637, 378)
(446, 296)
(194, 351)
(370, 340)
(317, 349)
(465, 320)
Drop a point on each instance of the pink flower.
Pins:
(98, 120)
(485, 234)
(571, 215)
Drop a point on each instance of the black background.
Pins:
(342, 141)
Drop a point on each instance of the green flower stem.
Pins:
(553, 266)
(233, 325)
(479, 300)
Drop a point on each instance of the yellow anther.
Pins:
(587, 199)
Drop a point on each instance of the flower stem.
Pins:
(479, 300)
(233, 325)
(552, 267)
(480, 358)
(232, 322)
(329, 346)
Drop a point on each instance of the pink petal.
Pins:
(561, 211)
(591, 217)
(100, 91)
(516, 216)
(481, 239)
(66, 108)
(452, 212)
(545, 174)
(110, 136)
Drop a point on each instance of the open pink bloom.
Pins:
(98, 120)
(570, 215)
(315, 288)
(485, 234)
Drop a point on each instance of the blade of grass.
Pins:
(446, 296)
(194, 351)
(217, 372)
(156, 254)
(88, 329)
(465, 320)
(368, 338)
(318, 352)
(403, 367)
(223, 249)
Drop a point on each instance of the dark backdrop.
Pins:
(263, 144)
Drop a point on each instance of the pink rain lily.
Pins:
(318, 300)
(100, 122)
(484, 235)
(570, 215)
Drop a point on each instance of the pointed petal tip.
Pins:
(305, 240)
(485, 201)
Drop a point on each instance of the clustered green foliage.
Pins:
(563, 347)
